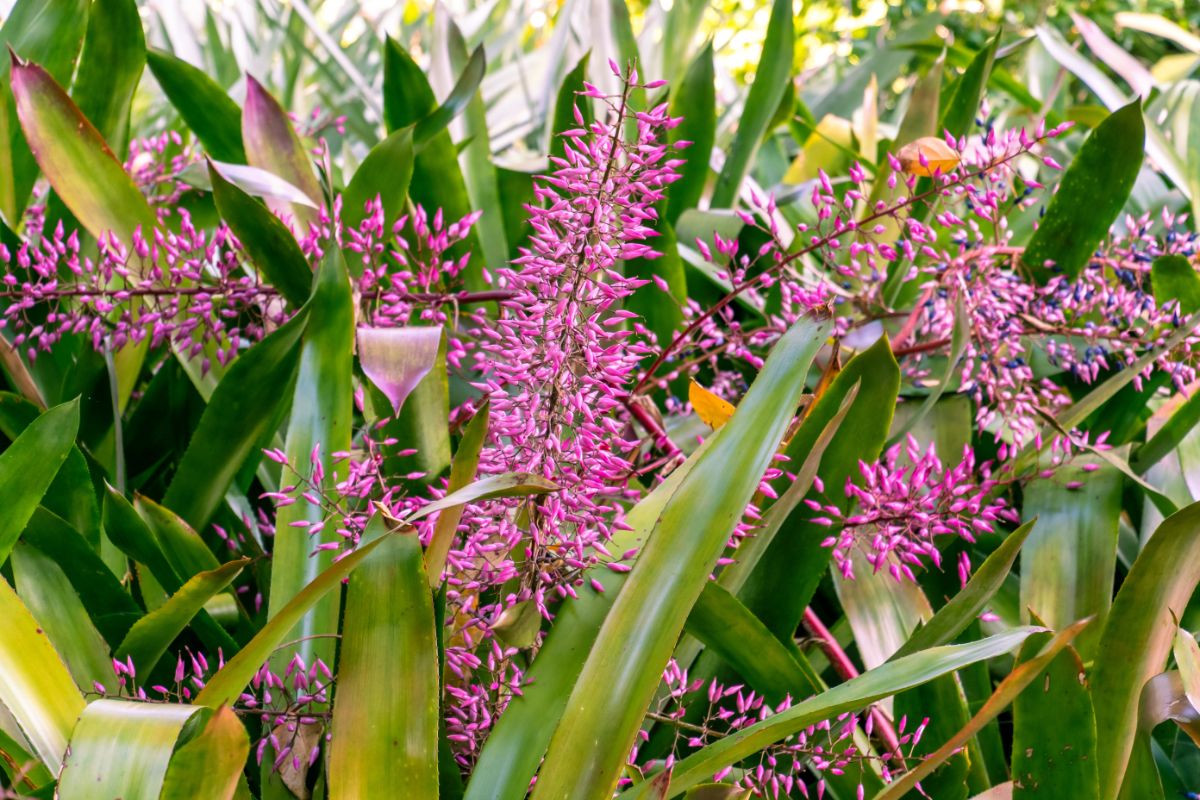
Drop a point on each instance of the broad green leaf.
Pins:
(320, 426)
(772, 74)
(183, 548)
(1008, 690)
(1070, 558)
(462, 472)
(566, 104)
(1137, 637)
(172, 553)
(695, 100)
(385, 732)
(516, 745)
(437, 180)
(962, 609)
(385, 173)
(35, 685)
(76, 160)
(16, 760)
(244, 410)
(210, 765)
(1174, 278)
(209, 113)
(71, 495)
(266, 240)
(959, 113)
(225, 686)
(271, 143)
(783, 583)
(462, 93)
(636, 640)
(884, 681)
(121, 749)
(110, 67)
(49, 596)
(479, 171)
(1090, 195)
(28, 468)
(730, 631)
(1054, 731)
(151, 635)
(50, 33)
(110, 606)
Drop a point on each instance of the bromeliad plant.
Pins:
(355, 482)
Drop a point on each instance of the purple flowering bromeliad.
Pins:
(572, 382)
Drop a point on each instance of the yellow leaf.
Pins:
(938, 156)
(713, 410)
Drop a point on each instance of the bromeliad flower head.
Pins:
(905, 501)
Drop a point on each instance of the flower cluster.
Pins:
(904, 502)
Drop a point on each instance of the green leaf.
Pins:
(962, 609)
(170, 550)
(960, 111)
(244, 410)
(210, 765)
(437, 180)
(566, 103)
(321, 420)
(1187, 658)
(518, 741)
(385, 173)
(225, 686)
(1054, 731)
(1174, 278)
(35, 686)
(1137, 637)
(729, 630)
(48, 32)
(881, 682)
(271, 143)
(462, 93)
(1070, 558)
(71, 495)
(695, 99)
(151, 635)
(122, 749)
(111, 608)
(1008, 690)
(462, 472)
(771, 77)
(110, 67)
(49, 596)
(635, 643)
(1090, 196)
(28, 468)
(266, 240)
(479, 172)
(76, 160)
(209, 113)
(385, 732)
(183, 548)
(783, 583)
(1168, 437)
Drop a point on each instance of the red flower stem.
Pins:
(845, 669)
(647, 421)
